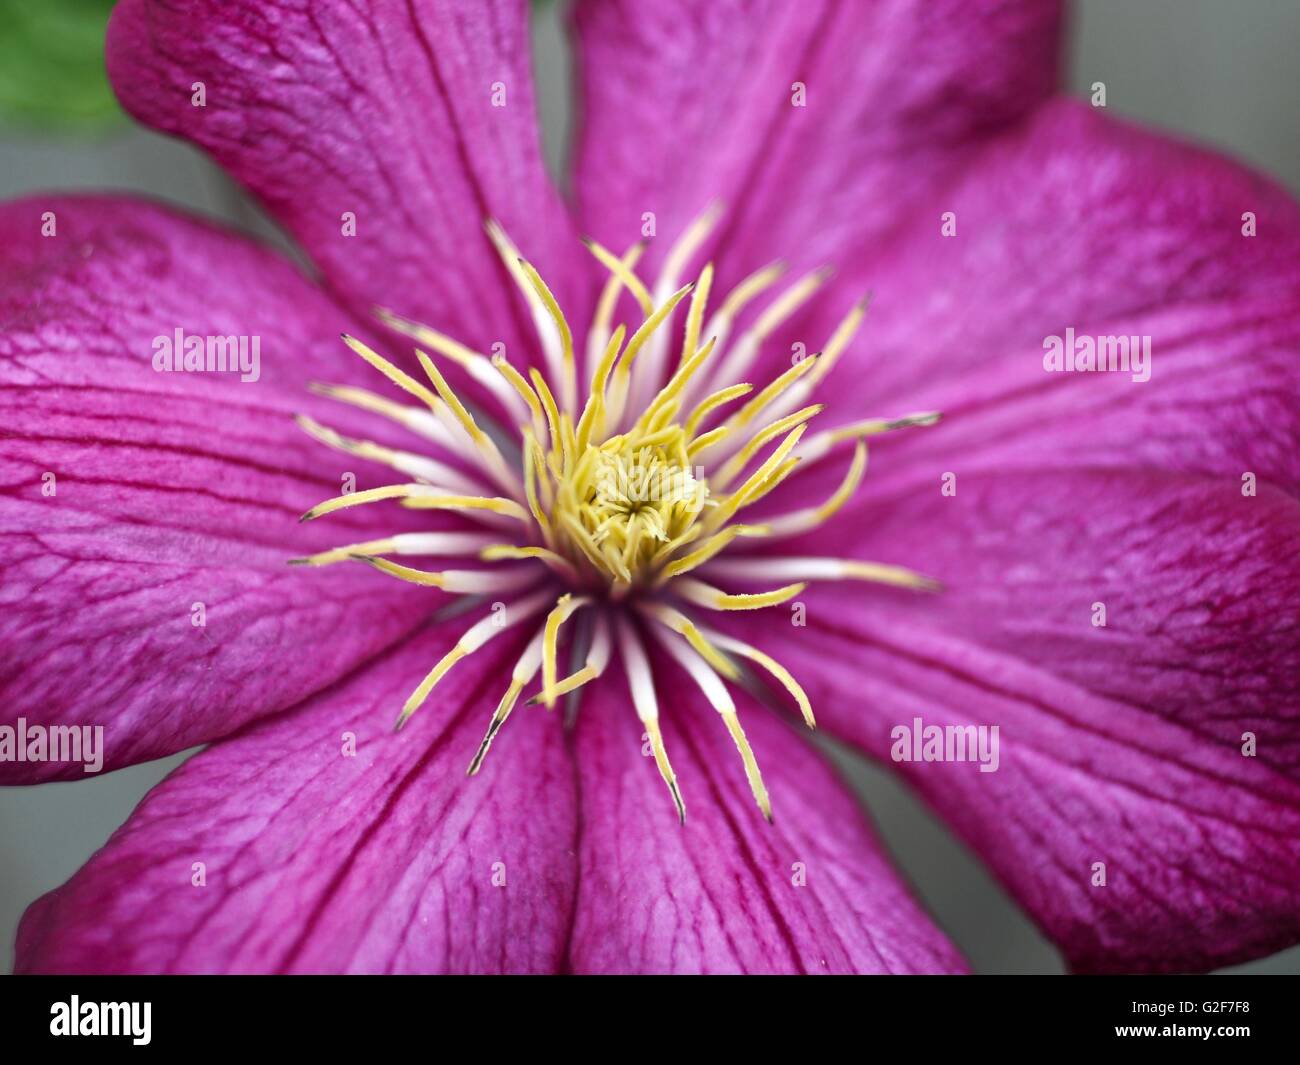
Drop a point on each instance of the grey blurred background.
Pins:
(1217, 71)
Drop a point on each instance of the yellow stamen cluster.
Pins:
(627, 501)
(625, 505)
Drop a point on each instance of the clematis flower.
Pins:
(600, 451)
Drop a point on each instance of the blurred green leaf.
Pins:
(52, 65)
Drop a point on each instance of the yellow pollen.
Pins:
(616, 514)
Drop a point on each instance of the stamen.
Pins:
(755, 406)
(551, 408)
(641, 683)
(720, 698)
(524, 390)
(588, 547)
(593, 414)
(436, 543)
(732, 720)
(624, 273)
(706, 595)
(564, 609)
(559, 563)
(666, 403)
(652, 367)
(598, 335)
(835, 347)
(593, 667)
(809, 518)
(733, 466)
(623, 497)
(772, 666)
(741, 356)
(707, 550)
(749, 492)
(647, 329)
(421, 467)
(431, 500)
(840, 340)
(525, 670)
(568, 369)
(704, 441)
(418, 420)
(369, 495)
(749, 289)
(712, 402)
(821, 569)
(684, 626)
(821, 443)
(488, 451)
(695, 316)
(460, 581)
(406, 382)
(548, 332)
(401, 378)
(534, 465)
(475, 637)
(474, 363)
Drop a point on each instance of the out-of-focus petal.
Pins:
(684, 103)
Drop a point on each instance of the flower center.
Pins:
(625, 507)
(627, 504)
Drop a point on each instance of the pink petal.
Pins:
(722, 893)
(1120, 744)
(684, 103)
(389, 861)
(383, 110)
(171, 489)
(1080, 222)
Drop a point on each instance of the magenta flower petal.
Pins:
(1150, 245)
(417, 119)
(389, 861)
(1076, 220)
(132, 495)
(1162, 744)
(684, 103)
(727, 892)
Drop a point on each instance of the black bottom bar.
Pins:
(453, 1014)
